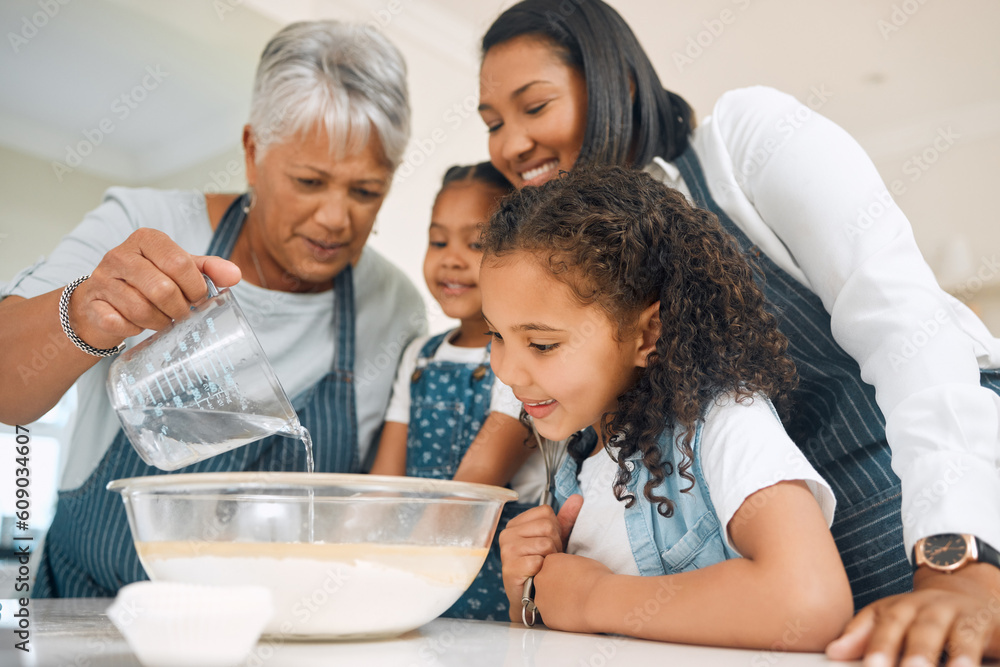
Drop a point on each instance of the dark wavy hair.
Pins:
(483, 172)
(621, 241)
(624, 126)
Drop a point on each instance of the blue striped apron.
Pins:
(89, 552)
(835, 421)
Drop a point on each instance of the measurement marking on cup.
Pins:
(205, 368)
(150, 391)
(177, 377)
(169, 386)
(219, 359)
(184, 368)
(160, 387)
(232, 366)
(213, 366)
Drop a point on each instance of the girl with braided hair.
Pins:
(627, 319)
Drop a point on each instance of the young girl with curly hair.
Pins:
(625, 316)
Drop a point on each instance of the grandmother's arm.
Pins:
(141, 284)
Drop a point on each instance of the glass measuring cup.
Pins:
(198, 388)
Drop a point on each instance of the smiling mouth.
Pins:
(542, 170)
(455, 286)
(325, 246)
(542, 403)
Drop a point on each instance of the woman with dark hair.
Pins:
(899, 389)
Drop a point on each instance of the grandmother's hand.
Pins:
(144, 283)
(958, 613)
(528, 539)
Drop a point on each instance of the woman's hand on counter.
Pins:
(957, 613)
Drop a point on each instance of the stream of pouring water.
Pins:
(303, 434)
(198, 434)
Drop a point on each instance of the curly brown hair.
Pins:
(622, 241)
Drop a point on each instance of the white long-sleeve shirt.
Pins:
(810, 198)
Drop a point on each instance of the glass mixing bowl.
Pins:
(345, 556)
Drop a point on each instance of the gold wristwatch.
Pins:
(949, 552)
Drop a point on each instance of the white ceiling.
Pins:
(942, 65)
(893, 79)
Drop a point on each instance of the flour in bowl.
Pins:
(327, 590)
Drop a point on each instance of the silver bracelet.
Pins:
(64, 319)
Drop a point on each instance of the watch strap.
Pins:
(987, 554)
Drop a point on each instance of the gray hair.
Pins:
(346, 76)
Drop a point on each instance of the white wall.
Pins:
(36, 210)
(957, 231)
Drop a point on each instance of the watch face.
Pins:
(945, 550)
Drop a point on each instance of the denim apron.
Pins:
(449, 402)
(835, 422)
(690, 539)
(89, 551)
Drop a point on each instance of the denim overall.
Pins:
(449, 401)
(835, 422)
(691, 539)
(89, 551)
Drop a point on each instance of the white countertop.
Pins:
(76, 633)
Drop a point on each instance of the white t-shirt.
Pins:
(743, 449)
(295, 330)
(808, 196)
(529, 480)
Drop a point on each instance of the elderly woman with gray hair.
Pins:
(329, 121)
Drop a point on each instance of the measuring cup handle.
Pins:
(212, 289)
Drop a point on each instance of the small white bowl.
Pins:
(182, 625)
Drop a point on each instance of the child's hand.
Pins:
(565, 589)
(528, 538)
